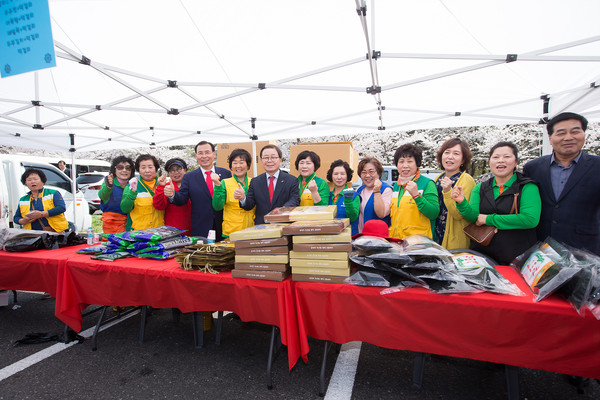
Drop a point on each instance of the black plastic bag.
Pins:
(44, 241)
(369, 278)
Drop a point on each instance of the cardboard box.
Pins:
(263, 250)
(281, 241)
(263, 259)
(347, 247)
(306, 263)
(264, 231)
(301, 213)
(316, 227)
(344, 237)
(318, 278)
(264, 275)
(321, 271)
(320, 255)
(328, 152)
(225, 149)
(261, 266)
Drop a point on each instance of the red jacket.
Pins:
(177, 216)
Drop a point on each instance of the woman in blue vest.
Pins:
(41, 208)
(375, 195)
(348, 205)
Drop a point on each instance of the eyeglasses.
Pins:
(127, 167)
(369, 172)
(204, 153)
(271, 158)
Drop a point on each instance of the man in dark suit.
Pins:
(569, 182)
(197, 186)
(272, 189)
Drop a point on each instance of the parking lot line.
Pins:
(342, 379)
(33, 359)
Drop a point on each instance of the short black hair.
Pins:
(31, 171)
(409, 150)
(243, 154)
(144, 157)
(340, 163)
(513, 146)
(202, 143)
(314, 157)
(563, 117)
(122, 159)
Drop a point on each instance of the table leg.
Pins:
(95, 335)
(272, 353)
(219, 327)
(198, 322)
(512, 381)
(143, 324)
(418, 369)
(323, 364)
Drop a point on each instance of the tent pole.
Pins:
(73, 175)
(254, 139)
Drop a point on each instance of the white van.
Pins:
(11, 189)
(83, 164)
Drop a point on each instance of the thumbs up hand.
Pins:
(109, 180)
(162, 180)
(169, 189)
(216, 179)
(133, 184)
(239, 193)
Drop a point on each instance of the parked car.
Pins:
(90, 183)
(11, 189)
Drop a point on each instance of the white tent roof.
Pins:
(176, 72)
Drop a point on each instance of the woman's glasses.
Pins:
(126, 167)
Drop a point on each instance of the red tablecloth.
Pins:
(163, 284)
(34, 270)
(548, 335)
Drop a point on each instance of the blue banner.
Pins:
(25, 37)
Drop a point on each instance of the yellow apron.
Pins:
(406, 218)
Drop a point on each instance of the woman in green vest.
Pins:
(314, 191)
(415, 204)
(138, 194)
(41, 208)
(224, 198)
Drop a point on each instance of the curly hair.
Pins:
(340, 163)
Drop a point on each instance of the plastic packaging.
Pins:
(545, 267)
(479, 273)
(371, 244)
(369, 278)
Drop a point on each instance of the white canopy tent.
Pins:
(136, 73)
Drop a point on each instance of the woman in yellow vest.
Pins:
(414, 199)
(41, 208)
(314, 191)
(138, 194)
(454, 158)
(224, 198)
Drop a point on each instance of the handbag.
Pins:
(483, 234)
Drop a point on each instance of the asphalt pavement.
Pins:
(167, 365)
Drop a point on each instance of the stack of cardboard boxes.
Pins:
(261, 252)
(321, 246)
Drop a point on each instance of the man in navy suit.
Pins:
(272, 189)
(569, 182)
(197, 186)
